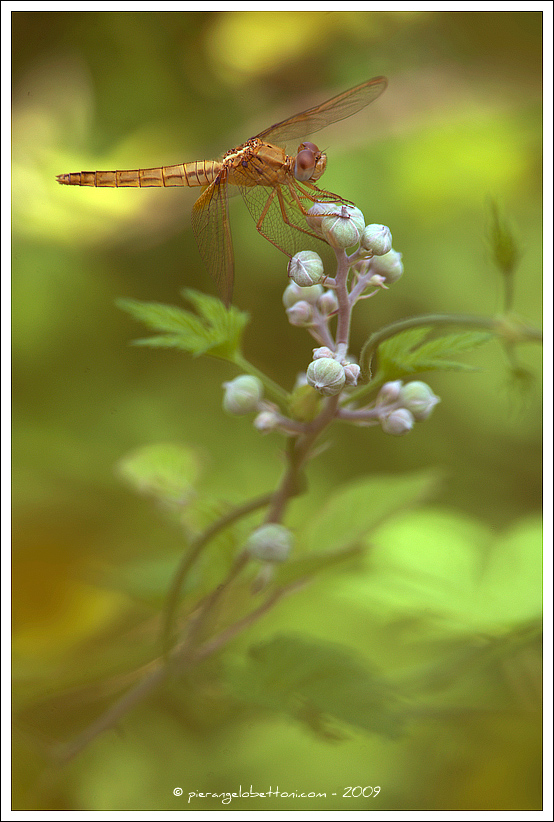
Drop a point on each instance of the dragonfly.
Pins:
(278, 188)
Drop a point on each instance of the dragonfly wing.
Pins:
(210, 223)
(333, 110)
(280, 219)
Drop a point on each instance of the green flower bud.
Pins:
(242, 395)
(294, 293)
(316, 213)
(306, 269)
(270, 543)
(300, 314)
(328, 302)
(388, 266)
(398, 422)
(344, 227)
(326, 376)
(418, 398)
(376, 239)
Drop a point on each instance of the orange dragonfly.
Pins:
(278, 189)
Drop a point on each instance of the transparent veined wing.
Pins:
(337, 108)
(210, 223)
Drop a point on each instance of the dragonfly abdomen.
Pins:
(200, 173)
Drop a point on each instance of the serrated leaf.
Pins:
(409, 352)
(316, 682)
(214, 330)
(355, 509)
(166, 471)
(167, 341)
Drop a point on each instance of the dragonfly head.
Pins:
(310, 163)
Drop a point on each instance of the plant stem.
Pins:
(299, 450)
(273, 389)
(182, 661)
(297, 455)
(345, 308)
(195, 549)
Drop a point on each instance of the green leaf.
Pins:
(315, 682)
(409, 352)
(214, 330)
(313, 564)
(357, 508)
(165, 471)
(510, 590)
(453, 572)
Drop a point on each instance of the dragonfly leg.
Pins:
(318, 195)
(277, 193)
(284, 211)
(263, 215)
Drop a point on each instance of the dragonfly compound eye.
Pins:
(310, 146)
(305, 164)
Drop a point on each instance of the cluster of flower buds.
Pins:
(372, 265)
(309, 303)
(343, 226)
(244, 395)
(399, 406)
(328, 374)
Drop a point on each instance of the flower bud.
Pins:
(344, 227)
(323, 352)
(418, 398)
(316, 213)
(398, 422)
(328, 303)
(267, 421)
(378, 280)
(388, 266)
(242, 394)
(306, 269)
(376, 239)
(300, 314)
(389, 392)
(351, 372)
(294, 293)
(326, 376)
(270, 543)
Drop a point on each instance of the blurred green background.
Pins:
(459, 124)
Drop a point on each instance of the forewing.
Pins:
(210, 223)
(335, 109)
